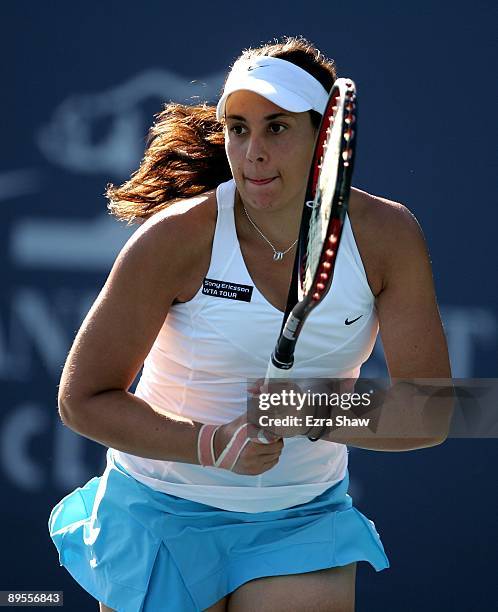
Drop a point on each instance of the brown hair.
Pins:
(185, 154)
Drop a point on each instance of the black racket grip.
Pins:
(283, 355)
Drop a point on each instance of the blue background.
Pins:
(80, 85)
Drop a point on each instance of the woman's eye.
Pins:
(276, 128)
(238, 130)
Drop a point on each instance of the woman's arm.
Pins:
(410, 324)
(161, 259)
(412, 336)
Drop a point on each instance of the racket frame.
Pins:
(343, 93)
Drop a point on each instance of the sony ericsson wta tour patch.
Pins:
(229, 291)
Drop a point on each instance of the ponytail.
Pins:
(185, 156)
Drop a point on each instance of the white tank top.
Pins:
(208, 347)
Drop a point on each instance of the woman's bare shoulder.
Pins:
(378, 211)
(182, 231)
(183, 220)
(173, 246)
(383, 229)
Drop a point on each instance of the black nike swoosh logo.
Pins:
(347, 322)
(254, 67)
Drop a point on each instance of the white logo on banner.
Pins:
(89, 245)
(17, 183)
(71, 137)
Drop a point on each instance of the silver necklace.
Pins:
(277, 255)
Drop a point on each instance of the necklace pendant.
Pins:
(278, 256)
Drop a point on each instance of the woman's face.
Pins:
(269, 150)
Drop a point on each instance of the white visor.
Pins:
(277, 80)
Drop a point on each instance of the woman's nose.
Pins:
(256, 150)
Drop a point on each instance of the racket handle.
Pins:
(275, 372)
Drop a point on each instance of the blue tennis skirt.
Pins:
(140, 550)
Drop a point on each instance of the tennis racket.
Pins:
(323, 217)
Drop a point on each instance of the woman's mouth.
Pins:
(260, 181)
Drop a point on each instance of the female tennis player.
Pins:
(196, 296)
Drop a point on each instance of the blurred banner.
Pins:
(80, 87)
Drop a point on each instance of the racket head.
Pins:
(324, 212)
(327, 194)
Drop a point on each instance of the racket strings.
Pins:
(325, 189)
(335, 156)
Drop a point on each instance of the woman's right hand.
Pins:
(257, 456)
